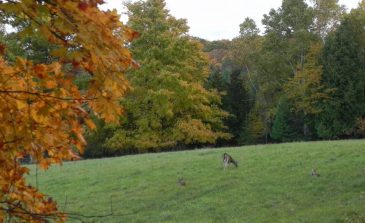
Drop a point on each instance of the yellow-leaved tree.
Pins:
(42, 111)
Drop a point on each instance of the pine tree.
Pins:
(282, 129)
(344, 70)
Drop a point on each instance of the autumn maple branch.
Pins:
(18, 209)
(46, 95)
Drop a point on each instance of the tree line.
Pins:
(301, 78)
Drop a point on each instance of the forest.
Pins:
(77, 82)
(299, 79)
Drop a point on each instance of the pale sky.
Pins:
(218, 19)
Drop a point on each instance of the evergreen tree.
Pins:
(344, 70)
(229, 75)
(282, 129)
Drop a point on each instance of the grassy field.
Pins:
(272, 183)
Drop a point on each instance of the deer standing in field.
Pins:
(227, 159)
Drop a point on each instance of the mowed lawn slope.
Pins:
(272, 183)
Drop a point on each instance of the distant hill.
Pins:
(217, 50)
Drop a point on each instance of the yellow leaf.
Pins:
(21, 104)
(43, 164)
(90, 124)
(51, 84)
(40, 70)
(81, 138)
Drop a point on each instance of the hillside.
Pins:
(272, 183)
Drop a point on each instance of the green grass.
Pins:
(272, 183)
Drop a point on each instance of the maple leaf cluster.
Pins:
(42, 111)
